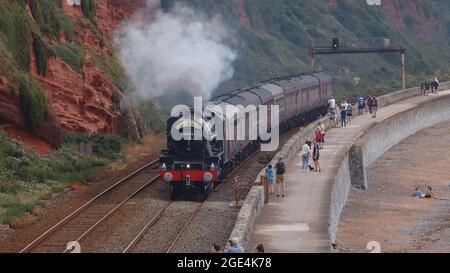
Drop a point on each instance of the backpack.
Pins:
(374, 102)
(361, 103)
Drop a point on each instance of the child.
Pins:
(270, 173)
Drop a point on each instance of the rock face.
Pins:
(399, 14)
(88, 101)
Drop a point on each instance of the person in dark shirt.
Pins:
(374, 106)
(280, 167)
(316, 156)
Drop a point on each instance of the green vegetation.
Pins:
(46, 15)
(104, 145)
(282, 31)
(42, 52)
(34, 104)
(89, 9)
(15, 31)
(70, 53)
(26, 178)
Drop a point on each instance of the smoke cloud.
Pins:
(177, 53)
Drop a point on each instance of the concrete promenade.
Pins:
(300, 222)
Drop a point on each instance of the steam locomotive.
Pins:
(195, 166)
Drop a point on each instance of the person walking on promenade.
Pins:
(369, 104)
(316, 156)
(270, 174)
(322, 131)
(422, 88)
(319, 135)
(331, 104)
(349, 113)
(374, 106)
(234, 247)
(280, 168)
(216, 248)
(435, 85)
(259, 249)
(344, 107)
(361, 105)
(338, 117)
(306, 154)
(333, 118)
(427, 88)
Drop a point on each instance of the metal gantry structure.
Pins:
(358, 46)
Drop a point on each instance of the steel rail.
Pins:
(75, 213)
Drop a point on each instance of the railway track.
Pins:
(161, 213)
(81, 222)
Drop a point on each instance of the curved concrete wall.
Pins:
(375, 141)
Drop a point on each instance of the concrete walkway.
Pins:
(300, 221)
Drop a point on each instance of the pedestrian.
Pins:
(422, 88)
(427, 88)
(280, 168)
(333, 118)
(361, 105)
(216, 249)
(344, 107)
(338, 116)
(270, 174)
(259, 249)
(306, 154)
(331, 104)
(374, 106)
(435, 85)
(319, 135)
(369, 104)
(322, 131)
(234, 247)
(349, 113)
(316, 156)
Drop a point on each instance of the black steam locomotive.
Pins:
(195, 166)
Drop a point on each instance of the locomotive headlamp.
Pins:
(163, 167)
(213, 167)
(188, 166)
(168, 177)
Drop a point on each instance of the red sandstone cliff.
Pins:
(86, 104)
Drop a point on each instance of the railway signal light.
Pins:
(335, 43)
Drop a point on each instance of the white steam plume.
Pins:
(177, 52)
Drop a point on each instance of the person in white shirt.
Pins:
(306, 154)
(332, 104)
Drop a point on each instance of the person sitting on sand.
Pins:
(429, 193)
(418, 193)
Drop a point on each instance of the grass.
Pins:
(26, 178)
(72, 54)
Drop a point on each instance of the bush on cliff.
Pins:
(71, 54)
(89, 9)
(15, 26)
(34, 104)
(104, 145)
